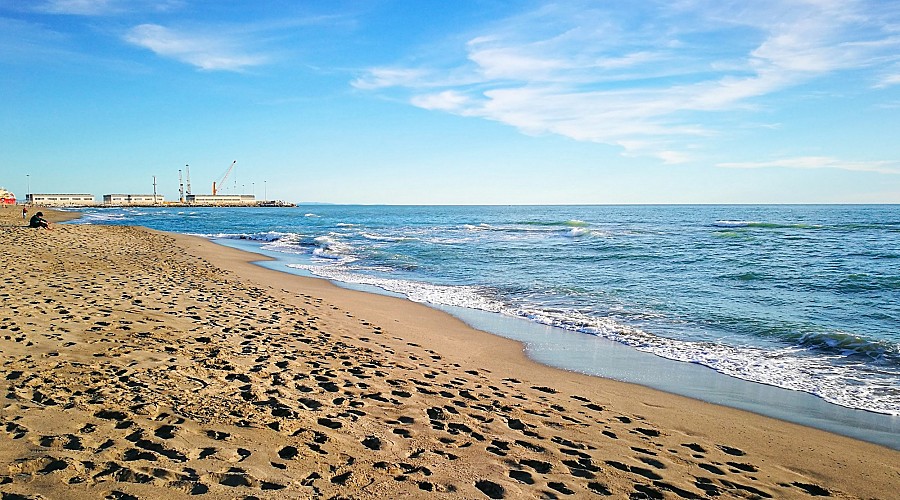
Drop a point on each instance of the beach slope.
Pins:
(138, 364)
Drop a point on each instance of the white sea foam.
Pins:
(379, 237)
(267, 236)
(786, 368)
(448, 241)
(460, 296)
(732, 223)
(102, 217)
(291, 243)
(328, 247)
(571, 229)
(288, 243)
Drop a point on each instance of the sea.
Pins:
(800, 302)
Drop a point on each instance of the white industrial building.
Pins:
(132, 199)
(221, 199)
(60, 200)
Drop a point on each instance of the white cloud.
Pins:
(103, 7)
(447, 100)
(205, 52)
(646, 78)
(78, 7)
(673, 157)
(816, 162)
(888, 81)
(378, 78)
(512, 63)
(627, 60)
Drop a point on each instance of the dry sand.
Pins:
(138, 364)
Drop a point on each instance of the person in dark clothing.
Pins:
(39, 221)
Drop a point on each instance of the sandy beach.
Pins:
(139, 364)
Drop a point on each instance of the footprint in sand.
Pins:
(490, 488)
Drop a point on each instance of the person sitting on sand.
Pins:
(39, 221)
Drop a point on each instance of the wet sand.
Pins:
(139, 364)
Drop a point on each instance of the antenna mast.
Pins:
(154, 190)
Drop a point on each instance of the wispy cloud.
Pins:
(103, 7)
(645, 78)
(378, 78)
(207, 52)
(888, 81)
(25, 42)
(815, 162)
(447, 100)
(77, 7)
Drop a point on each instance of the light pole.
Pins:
(265, 191)
(28, 182)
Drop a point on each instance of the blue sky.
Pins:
(461, 102)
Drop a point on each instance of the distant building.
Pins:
(60, 200)
(132, 199)
(7, 197)
(221, 199)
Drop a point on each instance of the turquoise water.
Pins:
(805, 298)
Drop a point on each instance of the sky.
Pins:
(460, 102)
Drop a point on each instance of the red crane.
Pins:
(224, 177)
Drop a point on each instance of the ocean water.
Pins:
(805, 298)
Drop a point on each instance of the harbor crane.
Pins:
(180, 187)
(224, 177)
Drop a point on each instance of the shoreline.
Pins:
(628, 365)
(747, 395)
(152, 353)
(512, 349)
(796, 352)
